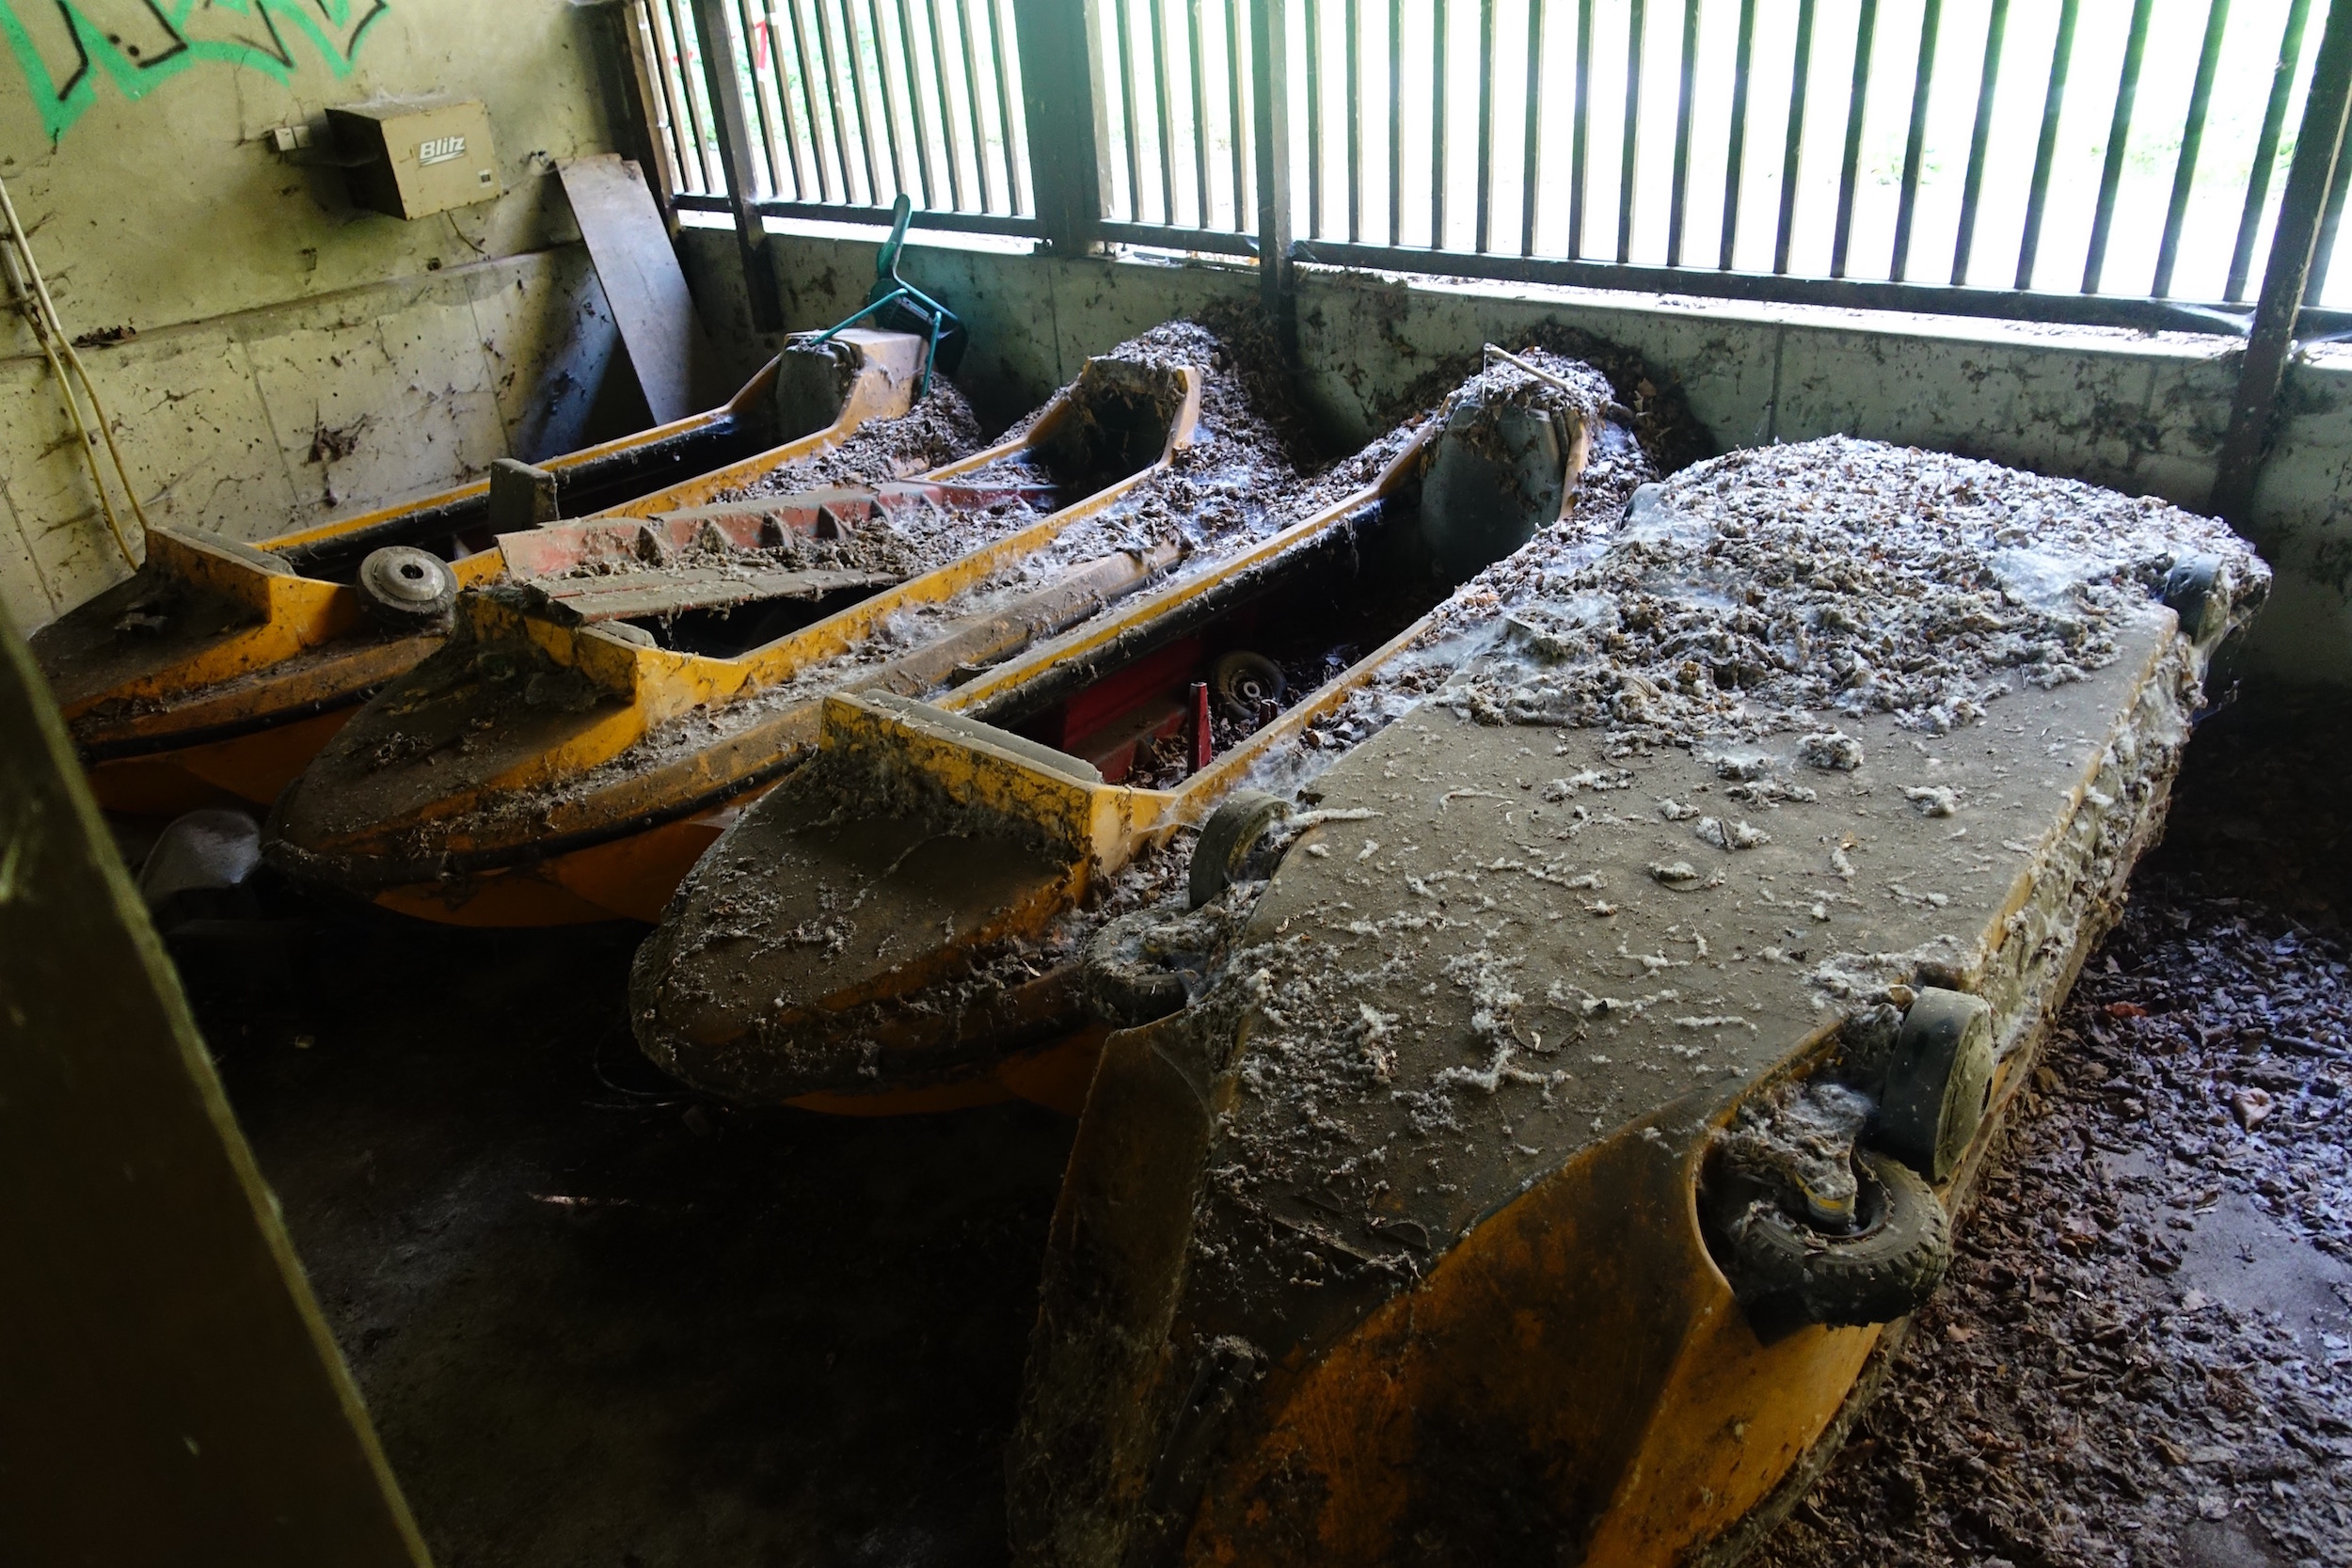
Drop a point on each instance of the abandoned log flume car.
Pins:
(1559, 1122)
(558, 762)
(896, 927)
(217, 672)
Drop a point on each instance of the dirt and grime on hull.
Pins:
(939, 430)
(927, 989)
(1816, 726)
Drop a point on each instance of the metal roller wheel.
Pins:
(1240, 681)
(1230, 841)
(407, 589)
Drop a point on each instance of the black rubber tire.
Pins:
(1886, 1270)
(406, 589)
(1229, 839)
(1122, 987)
(1241, 680)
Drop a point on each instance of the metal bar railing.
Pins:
(1735, 155)
(1914, 142)
(846, 104)
(1679, 198)
(1980, 141)
(1793, 150)
(2119, 135)
(1857, 106)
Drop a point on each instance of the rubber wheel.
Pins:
(1122, 986)
(407, 589)
(1240, 681)
(1229, 839)
(1939, 1081)
(1885, 1270)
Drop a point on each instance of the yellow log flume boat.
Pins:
(586, 733)
(217, 672)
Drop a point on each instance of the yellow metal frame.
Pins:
(287, 680)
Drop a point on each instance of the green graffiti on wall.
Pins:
(64, 46)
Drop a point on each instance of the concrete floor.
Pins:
(601, 1322)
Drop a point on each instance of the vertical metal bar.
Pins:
(946, 106)
(1061, 76)
(1579, 132)
(723, 75)
(1988, 80)
(1238, 143)
(1857, 104)
(1397, 122)
(654, 130)
(2267, 148)
(2052, 104)
(833, 92)
(1315, 118)
(1354, 124)
(972, 97)
(1438, 125)
(1914, 144)
(923, 139)
(1736, 156)
(857, 96)
(784, 101)
(708, 177)
(1126, 111)
(1161, 89)
(1269, 50)
(2119, 132)
(1793, 148)
(1633, 38)
(889, 100)
(810, 76)
(1531, 157)
(1682, 133)
(2316, 286)
(2317, 153)
(1004, 108)
(762, 126)
(2192, 141)
(1486, 123)
(1200, 114)
(669, 85)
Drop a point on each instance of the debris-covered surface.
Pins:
(940, 429)
(1816, 722)
(856, 932)
(2143, 1354)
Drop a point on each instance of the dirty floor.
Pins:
(601, 1322)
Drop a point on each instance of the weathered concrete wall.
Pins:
(296, 357)
(2140, 412)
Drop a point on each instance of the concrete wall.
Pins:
(2140, 412)
(296, 357)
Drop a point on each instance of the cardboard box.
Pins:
(413, 160)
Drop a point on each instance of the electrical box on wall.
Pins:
(413, 160)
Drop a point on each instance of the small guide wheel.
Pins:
(1242, 680)
(1939, 1083)
(1230, 840)
(407, 589)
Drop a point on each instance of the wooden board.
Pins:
(643, 285)
(168, 1393)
